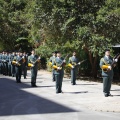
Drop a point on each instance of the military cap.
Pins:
(107, 49)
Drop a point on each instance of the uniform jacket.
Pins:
(107, 61)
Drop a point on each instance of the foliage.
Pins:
(86, 26)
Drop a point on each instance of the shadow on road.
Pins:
(15, 101)
(77, 92)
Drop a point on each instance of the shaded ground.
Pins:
(85, 100)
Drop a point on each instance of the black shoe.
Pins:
(73, 83)
(110, 95)
(18, 82)
(106, 95)
(13, 75)
(59, 92)
(34, 85)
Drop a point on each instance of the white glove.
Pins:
(16, 62)
(72, 66)
(58, 68)
(110, 67)
(115, 60)
(79, 63)
(32, 65)
(23, 57)
(39, 58)
(64, 61)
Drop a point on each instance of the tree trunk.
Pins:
(93, 62)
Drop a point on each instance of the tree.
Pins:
(12, 24)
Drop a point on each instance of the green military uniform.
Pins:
(9, 64)
(32, 59)
(59, 73)
(0, 63)
(74, 61)
(107, 75)
(12, 65)
(4, 61)
(18, 68)
(24, 66)
(52, 58)
(6, 64)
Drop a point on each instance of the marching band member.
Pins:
(13, 65)
(25, 63)
(52, 58)
(58, 65)
(106, 63)
(34, 60)
(18, 66)
(73, 61)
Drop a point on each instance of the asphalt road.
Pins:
(84, 101)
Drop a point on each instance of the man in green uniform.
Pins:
(25, 63)
(9, 63)
(52, 58)
(0, 63)
(18, 66)
(107, 72)
(58, 65)
(4, 63)
(74, 65)
(13, 55)
(34, 60)
(2, 66)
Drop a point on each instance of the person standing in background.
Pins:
(73, 61)
(52, 58)
(25, 63)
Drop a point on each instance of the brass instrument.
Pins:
(60, 66)
(56, 68)
(17, 63)
(105, 68)
(70, 65)
(13, 62)
(30, 65)
(50, 63)
(75, 64)
(33, 64)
